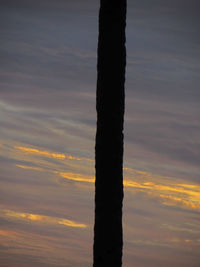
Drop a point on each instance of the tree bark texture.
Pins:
(108, 233)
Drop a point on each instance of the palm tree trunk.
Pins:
(108, 234)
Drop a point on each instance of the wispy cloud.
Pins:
(41, 219)
(29, 167)
(159, 187)
(48, 154)
(176, 228)
(171, 194)
(59, 156)
(76, 177)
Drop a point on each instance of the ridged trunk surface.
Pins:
(108, 234)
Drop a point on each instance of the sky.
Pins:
(48, 123)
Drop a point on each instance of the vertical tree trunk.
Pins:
(108, 239)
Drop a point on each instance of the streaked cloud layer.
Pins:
(41, 218)
(41, 153)
(47, 106)
(48, 154)
(172, 194)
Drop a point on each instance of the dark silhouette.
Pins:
(108, 235)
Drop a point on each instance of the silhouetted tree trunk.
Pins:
(108, 239)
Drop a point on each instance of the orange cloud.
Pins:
(71, 223)
(186, 195)
(76, 158)
(174, 200)
(171, 194)
(7, 233)
(76, 177)
(29, 167)
(42, 219)
(48, 154)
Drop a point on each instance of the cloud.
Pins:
(41, 219)
(176, 228)
(48, 154)
(29, 150)
(76, 177)
(48, 79)
(159, 187)
(164, 133)
(162, 85)
(29, 167)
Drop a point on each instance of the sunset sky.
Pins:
(48, 123)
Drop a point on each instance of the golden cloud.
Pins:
(29, 167)
(42, 219)
(170, 194)
(186, 195)
(60, 156)
(76, 177)
(48, 154)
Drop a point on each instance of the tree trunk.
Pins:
(108, 234)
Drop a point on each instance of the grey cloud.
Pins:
(168, 129)
(163, 53)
